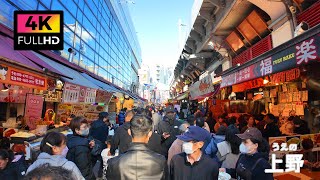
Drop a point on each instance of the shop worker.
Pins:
(192, 164)
(253, 159)
(139, 162)
(99, 129)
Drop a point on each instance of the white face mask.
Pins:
(187, 147)
(246, 149)
(243, 149)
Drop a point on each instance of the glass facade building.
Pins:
(100, 32)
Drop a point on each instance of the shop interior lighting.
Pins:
(5, 88)
(265, 81)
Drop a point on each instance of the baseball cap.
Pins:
(251, 133)
(194, 133)
(169, 109)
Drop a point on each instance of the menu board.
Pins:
(71, 93)
(90, 95)
(304, 95)
(33, 109)
(103, 96)
(90, 112)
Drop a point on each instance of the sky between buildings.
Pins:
(156, 24)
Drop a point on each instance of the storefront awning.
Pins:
(77, 78)
(101, 84)
(8, 54)
(31, 57)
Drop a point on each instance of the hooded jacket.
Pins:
(99, 130)
(250, 167)
(57, 161)
(80, 153)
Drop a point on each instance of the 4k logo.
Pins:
(38, 30)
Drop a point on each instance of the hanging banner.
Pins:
(33, 109)
(301, 53)
(202, 87)
(90, 96)
(103, 96)
(71, 93)
(10, 75)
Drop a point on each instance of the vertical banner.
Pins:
(33, 109)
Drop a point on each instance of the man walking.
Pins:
(192, 164)
(139, 162)
(168, 128)
(121, 138)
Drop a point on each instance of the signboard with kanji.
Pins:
(296, 55)
(10, 75)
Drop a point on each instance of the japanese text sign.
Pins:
(33, 111)
(10, 75)
(301, 53)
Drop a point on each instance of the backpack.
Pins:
(246, 173)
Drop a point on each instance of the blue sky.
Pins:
(156, 24)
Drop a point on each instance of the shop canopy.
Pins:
(77, 78)
(299, 51)
(7, 53)
(29, 55)
(101, 84)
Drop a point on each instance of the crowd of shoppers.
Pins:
(152, 143)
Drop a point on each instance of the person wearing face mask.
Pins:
(53, 152)
(80, 147)
(253, 159)
(168, 128)
(192, 164)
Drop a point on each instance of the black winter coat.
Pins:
(80, 153)
(271, 130)
(139, 162)
(99, 130)
(14, 170)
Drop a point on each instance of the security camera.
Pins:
(301, 28)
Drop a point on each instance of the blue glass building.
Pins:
(100, 32)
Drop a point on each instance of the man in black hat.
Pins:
(168, 128)
(193, 164)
